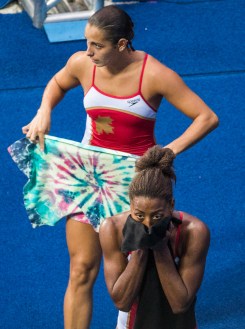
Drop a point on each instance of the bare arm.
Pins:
(170, 85)
(54, 92)
(123, 278)
(180, 286)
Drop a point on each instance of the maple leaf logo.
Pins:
(104, 124)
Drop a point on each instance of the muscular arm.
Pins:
(180, 286)
(170, 85)
(123, 278)
(54, 92)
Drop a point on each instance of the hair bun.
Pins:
(157, 157)
(155, 175)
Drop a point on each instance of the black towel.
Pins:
(138, 236)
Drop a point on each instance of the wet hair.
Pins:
(155, 175)
(116, 24)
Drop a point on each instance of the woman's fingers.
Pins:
(41, 141)
(36, 129)
(25, 129)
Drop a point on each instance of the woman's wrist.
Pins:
(140, 254)
(44, 111)
(171, 150)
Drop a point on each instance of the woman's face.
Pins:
(149, 211)
(101, 51)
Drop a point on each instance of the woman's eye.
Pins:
(98, 46)
(157, 217)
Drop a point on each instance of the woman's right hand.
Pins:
(38, 127)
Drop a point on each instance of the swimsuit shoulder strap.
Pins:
(142, 72)
(178, 234)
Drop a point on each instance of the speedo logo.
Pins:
(133, 101)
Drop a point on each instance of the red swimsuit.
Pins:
(119, 123)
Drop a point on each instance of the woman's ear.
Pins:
(122, 44)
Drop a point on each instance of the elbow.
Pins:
(178, 308)
(121, 299)
(213, 121)
(124, 309)
(123, 306)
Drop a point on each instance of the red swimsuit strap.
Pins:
(178, 235)
(142, 72)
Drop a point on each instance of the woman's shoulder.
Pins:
(78, 60)
(79, 56)
(194, 236)
(114, 223)
(110, 231)
(156, 64)
(159, 74)
(192, 221)
(195, 230)
(78, 65)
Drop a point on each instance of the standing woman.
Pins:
(123, 90)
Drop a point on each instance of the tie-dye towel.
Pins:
(68, 178)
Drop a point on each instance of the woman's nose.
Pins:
(89, 51)
(147, 222)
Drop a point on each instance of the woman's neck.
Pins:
(123, 62)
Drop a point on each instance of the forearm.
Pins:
(199, 128)
(126, 288)
(172, 284)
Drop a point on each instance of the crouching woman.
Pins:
(154, 256)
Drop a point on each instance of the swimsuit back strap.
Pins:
(178, 235)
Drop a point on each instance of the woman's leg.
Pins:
(85, 256)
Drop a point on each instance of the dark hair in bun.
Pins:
(154, 174)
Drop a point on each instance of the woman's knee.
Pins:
(83, 272)
(85, 253)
